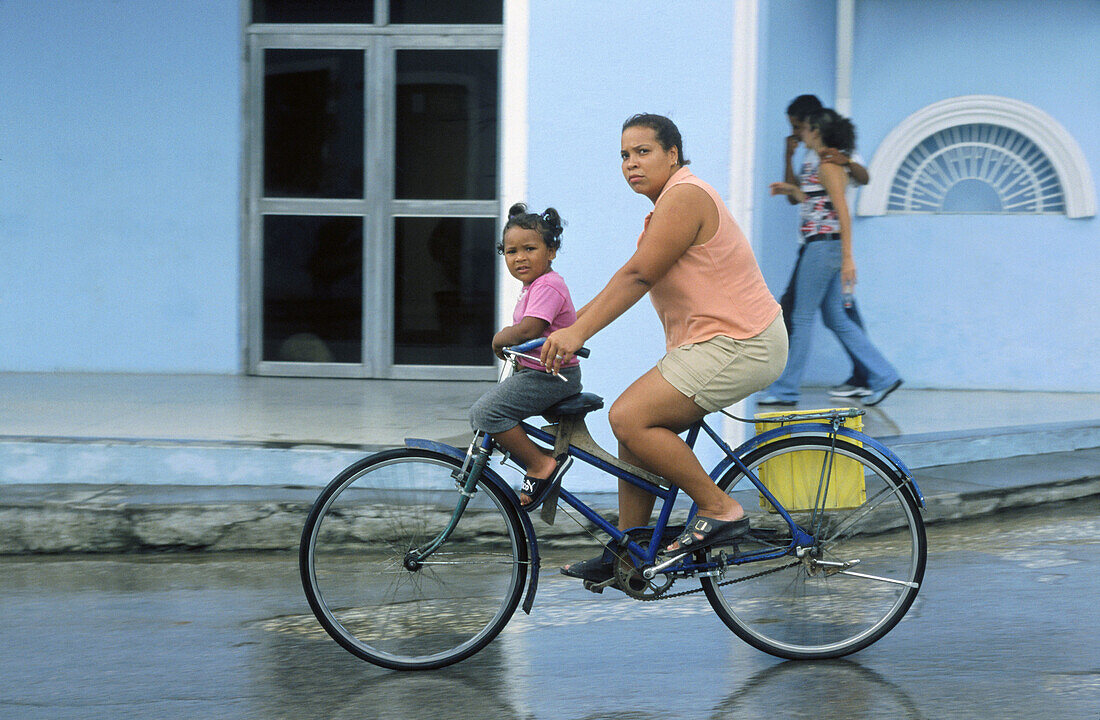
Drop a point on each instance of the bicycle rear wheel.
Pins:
(852, 587)
(353, 552)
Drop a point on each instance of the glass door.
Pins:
(311, 228)
(371, 215)
(445, 172)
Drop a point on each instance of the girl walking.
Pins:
(826, 270)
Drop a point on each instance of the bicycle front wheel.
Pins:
(857, 581)
(352, 560)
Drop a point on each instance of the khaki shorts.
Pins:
(718, 372)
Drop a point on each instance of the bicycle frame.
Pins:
(865, 512)
(475, 461)
(647, 555)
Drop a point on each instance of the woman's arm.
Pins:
(672, 229)
(789, 175)
(857, 172)
(792, 191)
(835, 181)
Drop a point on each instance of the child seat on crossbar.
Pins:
(569, 428)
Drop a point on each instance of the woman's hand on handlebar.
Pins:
(560, 347)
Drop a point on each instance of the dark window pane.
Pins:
(447, 11)
(313, 123)
(444, 290)
(313, 11)
(313, 289)
(446, 124)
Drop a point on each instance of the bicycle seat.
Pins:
(579, 404)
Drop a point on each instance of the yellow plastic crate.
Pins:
(793, 478)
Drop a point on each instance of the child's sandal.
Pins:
(538, 488)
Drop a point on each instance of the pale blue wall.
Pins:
(797, 50)
(119, 176)
(972, 301)
(592, 65)
(981, 301)
(119, 186)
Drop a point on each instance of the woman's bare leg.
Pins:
(646, 419)
(635, 504)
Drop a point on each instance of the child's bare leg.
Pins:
(530, 455)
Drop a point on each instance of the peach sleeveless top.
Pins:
(715, 288)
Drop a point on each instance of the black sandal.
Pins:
(713, 532)
(538, 488)
(594, 570)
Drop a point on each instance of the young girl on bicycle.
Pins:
(530, 243)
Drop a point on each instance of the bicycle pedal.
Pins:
(598, 588)
(725, 558)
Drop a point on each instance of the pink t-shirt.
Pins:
(546, 298)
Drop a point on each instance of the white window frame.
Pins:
(1047, 133)
(379, 41)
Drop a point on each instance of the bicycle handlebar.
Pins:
(537, 343)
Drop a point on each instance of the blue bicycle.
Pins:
(416, 558)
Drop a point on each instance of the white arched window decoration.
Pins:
(1055, 146)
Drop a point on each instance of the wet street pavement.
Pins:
(1004, 627)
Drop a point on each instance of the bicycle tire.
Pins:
(352, 561)
(793, 614)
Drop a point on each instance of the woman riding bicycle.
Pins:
(724, 334)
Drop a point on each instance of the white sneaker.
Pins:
(846, 391)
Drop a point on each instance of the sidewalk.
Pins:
(113, 463)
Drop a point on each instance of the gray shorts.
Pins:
(528, 392)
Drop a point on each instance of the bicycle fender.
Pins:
(904, 475)
(497, 481)
(441, 448)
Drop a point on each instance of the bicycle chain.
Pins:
(665, 596)
(723, 584)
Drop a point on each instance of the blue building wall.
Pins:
(981, 301)
(797, 55)
(120, 147)
(593, 65)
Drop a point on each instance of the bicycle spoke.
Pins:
(451, 603)
(862, 511)
(857, 580)
(905, 583)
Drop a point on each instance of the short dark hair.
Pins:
(668, 135)
(547, 225)
(836, 131)
(803, 105)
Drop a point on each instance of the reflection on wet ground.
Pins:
(1005, 627)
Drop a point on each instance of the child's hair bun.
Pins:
(547, 224)
(553, 221)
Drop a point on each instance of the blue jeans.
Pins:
(858, 378)
(817, 285)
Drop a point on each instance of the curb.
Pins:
(98, 526)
